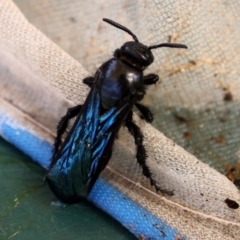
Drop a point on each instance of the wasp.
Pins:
(118, 85)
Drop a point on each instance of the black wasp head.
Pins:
(135, 53)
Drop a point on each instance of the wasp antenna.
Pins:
(117, 25)
(171, 45)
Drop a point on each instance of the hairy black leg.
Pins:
(145, 111)
(63, 123)
(141, 152)
(150, 79)
(88, 81)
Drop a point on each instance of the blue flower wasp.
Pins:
(117, 86)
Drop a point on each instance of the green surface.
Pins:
(30, 211)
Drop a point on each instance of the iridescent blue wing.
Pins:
(86, 150)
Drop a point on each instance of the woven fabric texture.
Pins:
(48, 47)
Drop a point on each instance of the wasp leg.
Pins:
(145, 111)
(88, 81)
(141, 153)
(63, 123)
(150, 79)
(72, 112)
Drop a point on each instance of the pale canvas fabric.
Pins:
(48, 47)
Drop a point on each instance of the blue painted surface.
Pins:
(38, 149)
(135, 218)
